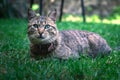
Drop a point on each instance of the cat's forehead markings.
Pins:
(42, 20)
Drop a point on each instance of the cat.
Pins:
(47, 41)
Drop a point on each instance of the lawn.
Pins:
(16, 64)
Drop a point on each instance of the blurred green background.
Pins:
(106, 11)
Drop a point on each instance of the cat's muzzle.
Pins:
(41, 36)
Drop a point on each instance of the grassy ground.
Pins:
(15, 63)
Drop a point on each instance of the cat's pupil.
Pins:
(35, 25)
(47, 26)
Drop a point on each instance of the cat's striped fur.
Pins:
(46, 40)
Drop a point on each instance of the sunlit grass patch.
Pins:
(92, 19)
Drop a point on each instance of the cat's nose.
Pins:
(40, 30)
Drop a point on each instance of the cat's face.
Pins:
(42, 29)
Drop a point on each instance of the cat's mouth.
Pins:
(40, 37)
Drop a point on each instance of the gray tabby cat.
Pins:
(46, 40)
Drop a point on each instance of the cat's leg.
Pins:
(98, 45)
(33, 53)
(33, 56)
(63, 52)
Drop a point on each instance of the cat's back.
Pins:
(84, 42)
(83, 38)
(74, 35)
(75, 39)
(79, 35)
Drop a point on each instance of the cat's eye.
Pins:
(35, 25)
(47, 26)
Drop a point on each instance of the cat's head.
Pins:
(42, 29)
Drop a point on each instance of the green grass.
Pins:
(16, 64)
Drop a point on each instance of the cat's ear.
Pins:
(53, 14)
(31, 14)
